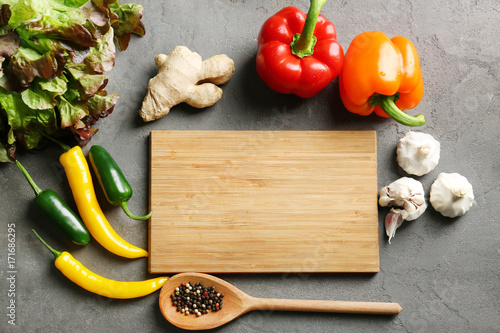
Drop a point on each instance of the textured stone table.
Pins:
(445, 273)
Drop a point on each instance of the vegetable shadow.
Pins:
(142, 91)
(263, 100)
(258, 95)
(440, 222)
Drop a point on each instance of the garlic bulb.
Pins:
(451, 194)
(406, 193)
(418, 153)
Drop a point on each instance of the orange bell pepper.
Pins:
(382, 75)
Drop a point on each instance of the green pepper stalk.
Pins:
(114, 184)
(388, 104)
(303, 44)
(55, 210)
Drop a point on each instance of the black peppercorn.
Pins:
(196, 299)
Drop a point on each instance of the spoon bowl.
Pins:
(237, 303)
(234, 302)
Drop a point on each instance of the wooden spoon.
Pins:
(236, 303)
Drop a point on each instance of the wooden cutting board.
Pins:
(263, 201)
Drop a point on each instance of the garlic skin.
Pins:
(418, 153)
(406, 193)
(451, 194)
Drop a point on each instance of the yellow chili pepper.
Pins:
(77, 273)
(80, 181)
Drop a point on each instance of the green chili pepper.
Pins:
(114, 184)
(55, 210)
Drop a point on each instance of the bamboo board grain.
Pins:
(263, 201)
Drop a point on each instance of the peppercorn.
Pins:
(196, 299)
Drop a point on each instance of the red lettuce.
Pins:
(54, 55)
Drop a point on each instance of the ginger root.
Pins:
(184, 77)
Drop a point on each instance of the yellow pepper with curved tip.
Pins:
(79, 178)
(79, 274)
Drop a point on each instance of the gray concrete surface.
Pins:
(445, 273)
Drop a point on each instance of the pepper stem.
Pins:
(63, 146)
(387, 104)
(35, 187)
(303, 44)
(135, 217)
(54, 252)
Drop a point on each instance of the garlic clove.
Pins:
(419, 210)
(393, 220)
(451, 194)
(418, 153)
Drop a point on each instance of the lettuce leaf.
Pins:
(54, 55)
(69, 112)
(101, 105)
(26, 124)
(4, 155)
(129, 21)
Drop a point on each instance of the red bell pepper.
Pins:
(299, 53)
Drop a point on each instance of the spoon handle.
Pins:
(325, 306)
